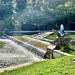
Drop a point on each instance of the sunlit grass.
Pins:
(33, 42)
(70, 49)
(72, 36)
(1, 44)
(59, 66)
(22, 38)
(51, 37)
(38, 44)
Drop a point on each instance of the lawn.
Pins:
(72, 36)
(22, 38)
(51, 37)
(59, 66)
(70, 49)
(1, 44)
(33, 42)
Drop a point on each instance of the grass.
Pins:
(51, 37)
(59, 66)
(70, 49)
(22, 38)
(1, 44)
(38, 44)
(72, 36)
(33, 42)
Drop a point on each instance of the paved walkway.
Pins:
(41, 35)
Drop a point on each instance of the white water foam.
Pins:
(12, 54)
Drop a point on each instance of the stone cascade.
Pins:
(29, 47)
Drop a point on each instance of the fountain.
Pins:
(19, 52)
(61, 32)
(63, 38)
(13, 54)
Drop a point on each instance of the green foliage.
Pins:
(1, 44)
(21, 4)
(52, 13)
(6, 14)
(5, 10)
(48, 13)
(70, 49)
(59, 66)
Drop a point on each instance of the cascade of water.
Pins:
(30, 47)
(12, 54)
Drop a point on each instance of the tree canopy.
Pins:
(39, 14)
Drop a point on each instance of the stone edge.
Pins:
(18, 66)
